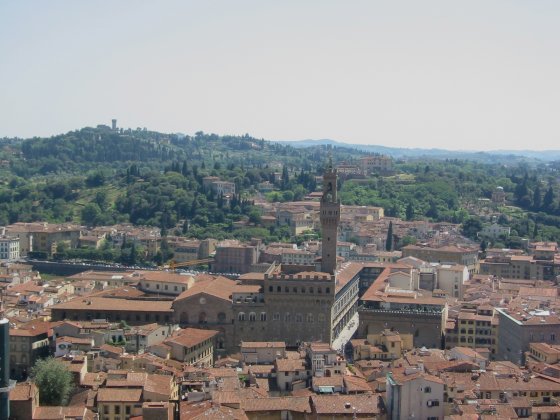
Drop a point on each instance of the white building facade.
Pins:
(9, 248)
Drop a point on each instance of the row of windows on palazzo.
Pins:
(298, 317)
(295, 289)
(252, 317)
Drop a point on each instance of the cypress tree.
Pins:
(389, 241)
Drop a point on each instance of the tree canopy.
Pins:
(54, 381)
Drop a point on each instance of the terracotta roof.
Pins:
(356, 384)
(294, 404)
(75, 340)
(125, 292)
(226, 397)
(160, 384)
(119, 395)
(99, 275)
(447, 248)
(259, 369)
(29, 286)
(336, 381)
(190, 337)
(468, 352)
(32, 328)
(545, 348)
(401, 377)
(219, 287)
(551, 292)
(362, 404)
(112, 349)
(115, 304)
(347, 273)
(322, 347)
(59, 413)
(23, 391)
(209, 410)
(162, 276)
(93, 379)
(289, 365)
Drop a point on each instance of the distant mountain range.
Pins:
(400, 152)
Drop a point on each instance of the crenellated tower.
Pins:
(330, 219)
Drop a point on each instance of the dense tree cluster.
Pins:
(54, 380)
(97, 176)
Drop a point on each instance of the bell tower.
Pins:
(330, 219)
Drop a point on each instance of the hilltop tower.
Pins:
(330, 219)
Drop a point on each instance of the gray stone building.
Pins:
(416, 312)
(294, 307)
(519, 327)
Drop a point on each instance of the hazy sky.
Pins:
(451, 74)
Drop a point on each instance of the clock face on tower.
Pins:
(202, 300)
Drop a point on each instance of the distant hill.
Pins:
(400, 152)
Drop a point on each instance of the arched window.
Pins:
(241, 316)
(202, 318)
(263, 316)
(299, 318)
(221, 317)
(309, 317)
(287, 317)
(252, 316)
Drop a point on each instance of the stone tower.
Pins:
(330, 219)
